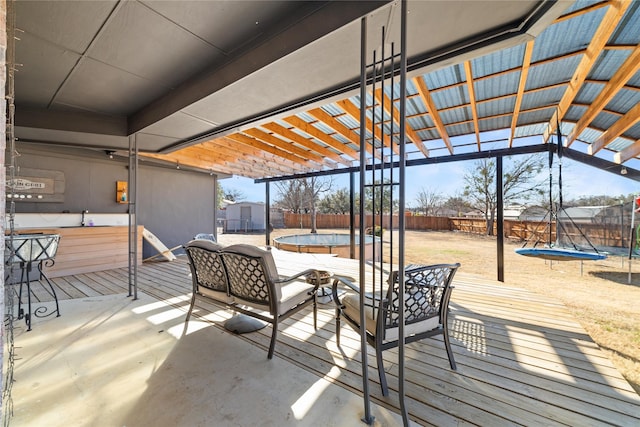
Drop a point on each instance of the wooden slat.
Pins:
(618, 128)
(298, 139)
(625, 72)
(427, 99)
(472, 100)
(87, 249)
(252, 142)
(522, 359)
(354, 111)
(285, 145)
(628, 153)
(528, 51)
(387, 105)
(599, 40)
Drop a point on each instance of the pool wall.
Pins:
(301, 243)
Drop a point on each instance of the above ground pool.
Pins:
(337, 244)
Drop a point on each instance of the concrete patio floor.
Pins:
(112, 361)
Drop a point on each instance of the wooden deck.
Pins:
(522, 359)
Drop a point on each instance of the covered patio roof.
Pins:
(269, 89)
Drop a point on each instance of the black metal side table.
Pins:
(29, 251)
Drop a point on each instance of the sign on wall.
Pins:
(36, 185)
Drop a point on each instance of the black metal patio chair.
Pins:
(427, 294)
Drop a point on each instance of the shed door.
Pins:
(245, 217)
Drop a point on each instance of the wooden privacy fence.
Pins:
(292, 220)
(599, 234)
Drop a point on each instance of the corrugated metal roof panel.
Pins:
(450, 97)
(495, 62)
(580, 4)
(628, 34)
(607, 64)
(588, 93)
(444, 77)
(575, 113)
(633, 132)
(537, 116)
(306, 117)
(589, 135)
(497, 123)
(541, 98)
(604, 120)
(413, 106)
(504, 84)
(497, 107)
(624, 100)
(456, 115)
(620, 144)
(420, 122)
(529, 130)
(550, 73)
(461, 129)
(567, 36)
(332, 109)
(635, 80)
(427, 135)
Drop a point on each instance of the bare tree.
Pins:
(291, 196)
(314, 187)
(519, 183)
(428, 201)
(302, 195)
(233, 195)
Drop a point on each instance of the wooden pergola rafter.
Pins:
(433, 112)
(224, 145)
(378, 133)
(328, 138)
(609, 23)
(472, 100)
(288, 146)
(314, 132)
(386, 103)
(343, 130)
(526, 60)
(252, 142)
(627, 70)
(622, 124)
(629, 152)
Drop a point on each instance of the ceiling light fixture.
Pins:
(623, 171)
(110, 153)
(177, 165)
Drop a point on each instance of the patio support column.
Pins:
(500, 219)
(267, 213)
(215, 206)
(368, 418)
(402, 202)
(133, 217)
(352, 215)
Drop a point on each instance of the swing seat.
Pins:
(561, 254)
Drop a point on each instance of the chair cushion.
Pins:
(351, 302)
(216, 295)
(293, 294)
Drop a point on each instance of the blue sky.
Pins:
(577, 180)
(447, 179)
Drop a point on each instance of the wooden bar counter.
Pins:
(88, 249)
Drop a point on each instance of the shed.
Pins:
(245, 217)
